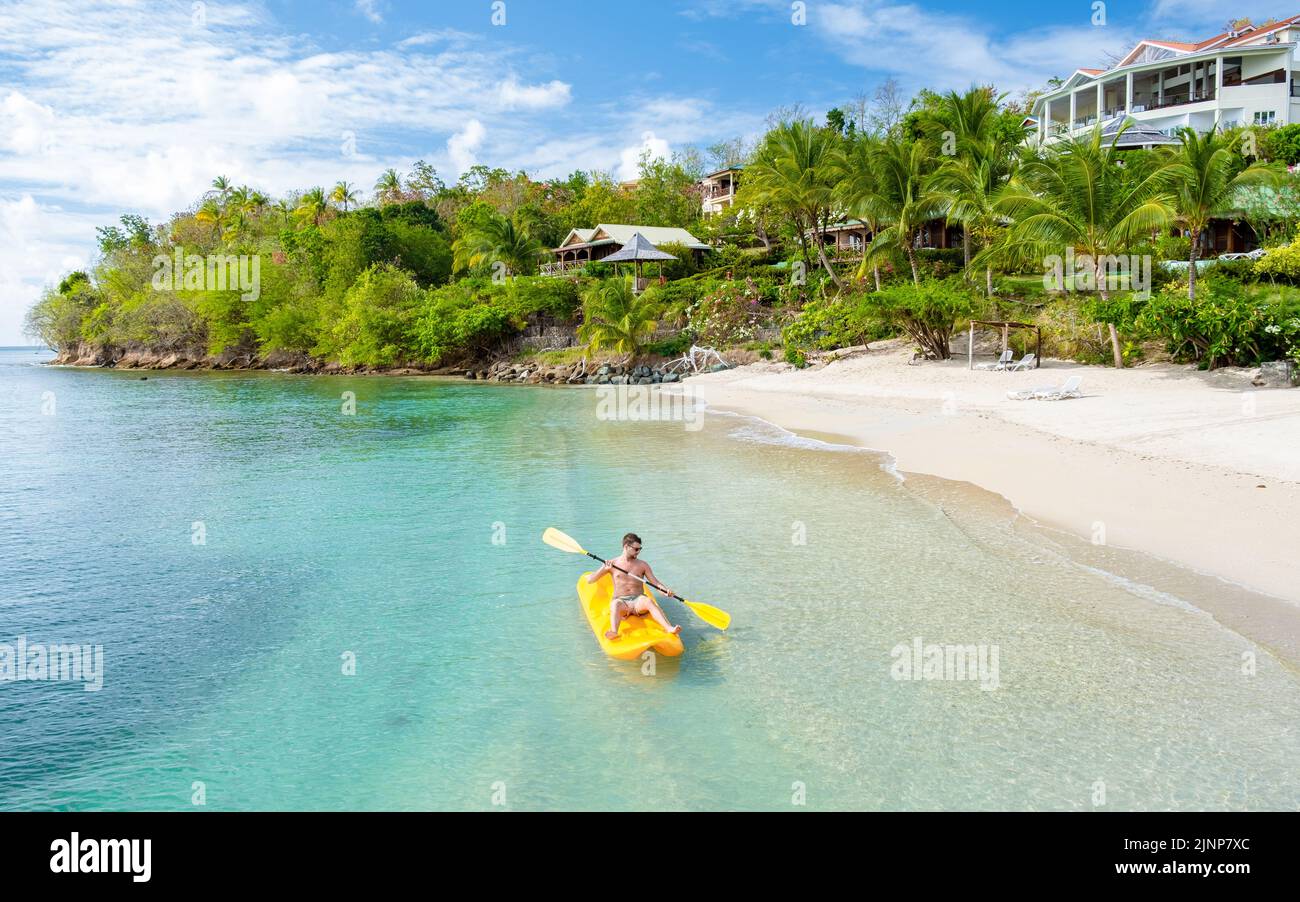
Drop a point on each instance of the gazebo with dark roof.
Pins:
(638, 251)
(1137, 135)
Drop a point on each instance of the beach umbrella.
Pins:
(638, 251)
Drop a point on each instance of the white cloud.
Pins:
(111, 107)
(29, 127)
(370, 9)
(944, 51)
(630, 163)
(38, 246)
(533, 97)
(463, 146)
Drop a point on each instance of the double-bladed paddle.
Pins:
(708, 613)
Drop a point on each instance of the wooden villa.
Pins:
(583, 246)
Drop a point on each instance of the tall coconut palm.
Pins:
(498, 240)
(1206, 172)
(856, 181)
(222, 186)
(794, 172)
(313, 205)
(899, 199)
(966, 127)
(969, 186)
(615, 319)
(389, 187)
(344, 193)
(1078, 196)
(284, 209)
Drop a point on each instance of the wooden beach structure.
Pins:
(1005, 328)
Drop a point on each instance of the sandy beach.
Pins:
(1200, 469)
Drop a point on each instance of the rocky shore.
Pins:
(513, 371)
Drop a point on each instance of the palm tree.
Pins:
(498, 240)
(794, 171)
(1078, 196)
(313, 205)
(344, 193)
(237, 198)
(965, 127)
(257, 202)
(969, 186)
(222, 186)
(211, 213)
(856, 180)
(1206, 172)
(282, 207)
(898, 198)
(389, 186)
(614, 318)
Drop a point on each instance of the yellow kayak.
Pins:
(635, 634)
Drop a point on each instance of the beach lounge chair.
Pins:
(1070, 389)
(1003, 362)
(1028, 363)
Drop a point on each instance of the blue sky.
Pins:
(112, 106)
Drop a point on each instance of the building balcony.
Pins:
(1148, 103)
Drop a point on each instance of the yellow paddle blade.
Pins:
(557, 539)
(709, 614)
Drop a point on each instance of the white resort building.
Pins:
(718, 191)
(1247, 76)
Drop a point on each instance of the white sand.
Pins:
(1163, 459)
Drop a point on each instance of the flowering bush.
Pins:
(729, 315)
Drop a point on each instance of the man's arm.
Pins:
(595, 577)
(654, 581)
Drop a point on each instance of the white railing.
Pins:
(560, 267)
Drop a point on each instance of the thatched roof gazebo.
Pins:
(638, 251)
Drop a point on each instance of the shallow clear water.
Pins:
(476, 674)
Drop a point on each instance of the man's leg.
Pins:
(646, 606)
(615, 618)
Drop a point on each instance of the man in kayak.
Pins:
(629, 598)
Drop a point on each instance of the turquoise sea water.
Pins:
(478, 680)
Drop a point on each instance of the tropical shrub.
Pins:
(376, 324)
(1282, 145)
(1281, 263)
(1224, 326)
(1172, 247)
(1243, 271)
(835, 323)
(462, 320)
(58, 316)
(926, 312)
(686, 264)
(557, 299)
(940, 263)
